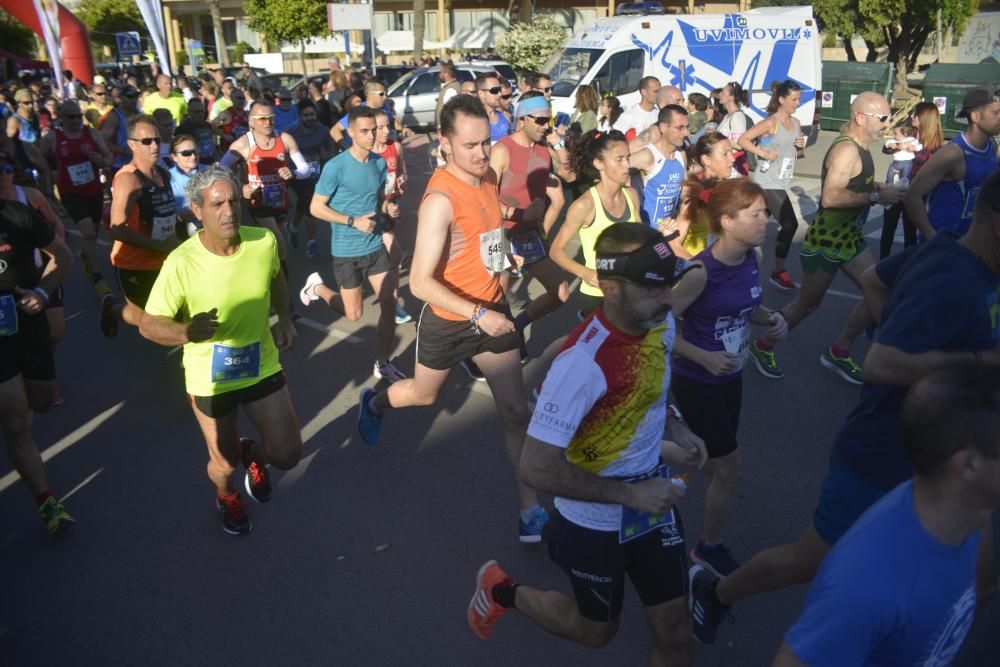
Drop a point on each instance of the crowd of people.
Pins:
(206, 186)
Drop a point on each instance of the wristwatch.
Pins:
(873, 197)
(350, 221)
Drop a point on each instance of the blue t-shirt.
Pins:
(942, 298)
(499, 129)
(354, 188)
(285, 119)
(888, 594)
(950, 204)
(348, 142)
(179, 181)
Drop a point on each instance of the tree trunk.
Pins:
(220, 43)
(849, 50)
(302, 58)
(900, 90)
(419, 24)
(872, 55)
(525, 12)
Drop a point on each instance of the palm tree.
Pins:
(419, 16)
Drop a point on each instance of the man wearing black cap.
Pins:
(950, 180)
(596, 443)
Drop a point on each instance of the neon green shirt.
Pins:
(175, 104)
(220, 104)
(194, 280)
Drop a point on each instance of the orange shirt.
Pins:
(152, 215)
(475, 211)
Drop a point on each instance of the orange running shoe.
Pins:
(484, 611)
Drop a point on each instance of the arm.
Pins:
(499, 159)
(127, 190)
(886, 364)
(318, 209)
(842, 165)
(163, 330)
(560, 164)
(41, 204)
(544, 467)
(102, 146)
(108, 128)
(47, 146)
(13, 126)
(641, 159)
(940, 167)
(579, 215)
(337, 134)
(748, 140)
(61, 259)
(644, 138)
(284, 332)
(301, 171)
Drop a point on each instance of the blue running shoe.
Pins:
(531, 532)
(369, 423)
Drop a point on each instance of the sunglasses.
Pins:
(541, 120)
(380, 93)
(100, 94)
(26, 103)
(131, 96)
(284, 99)
(495, 90)
(545, 90)
(882, 117)
(146, 141)
(72, 116)
(266, 119)
(187, 153)
(507, 96)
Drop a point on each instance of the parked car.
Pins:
(415, 95)
(502, 67)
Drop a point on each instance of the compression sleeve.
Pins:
(230, 159)
(301, 170)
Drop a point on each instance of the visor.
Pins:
(652, 264)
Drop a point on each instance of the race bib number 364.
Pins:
(235, 363)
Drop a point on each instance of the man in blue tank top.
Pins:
(951, 178)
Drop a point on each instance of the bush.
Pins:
(182, 58)
(528, 46)
(240, 51)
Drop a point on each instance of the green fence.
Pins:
(843, 81)
(946, 86)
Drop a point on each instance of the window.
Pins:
(567, 66)
(424, 84)
(620, 73)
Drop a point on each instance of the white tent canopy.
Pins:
(402, 40)
(476, 39)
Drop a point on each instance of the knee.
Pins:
(16, 429)
(728, 473)
(598, 637)
(423, 398)
(353, 314)
(287, 457)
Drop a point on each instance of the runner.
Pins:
(99, 105)
(286, 114)
(641, 115)
(928, 527)
(489, 89)
(350, 195)
(717, 305)
(506, 95)
(711, 161)
(450, 86)
(461, 285)
(596, 442)
(196, 126)
(267, 154)
(603, 160)
(164, 97)
(232, 123)
(23, 122)
(954, 284)
(395, 182)
(662, 164)
(27, 367)
(951, 178)
(79, 152)
(184, 155)
(375, 98)
(143, 224)
(213, 296)
(736, 122)
(834, 241)
(317, 147)
(776, 141)
(112, 125)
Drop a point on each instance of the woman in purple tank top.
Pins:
(717, 306)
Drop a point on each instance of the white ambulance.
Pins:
(696, 53)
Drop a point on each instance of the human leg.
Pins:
(277, 423)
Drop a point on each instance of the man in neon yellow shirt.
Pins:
(165, 98)
(223, 282)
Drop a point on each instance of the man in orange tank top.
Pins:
(459, 256)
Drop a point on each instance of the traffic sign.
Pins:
(128, 44)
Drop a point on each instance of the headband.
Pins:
(531, 105)
(652, 264)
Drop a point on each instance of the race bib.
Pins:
(314, 170)
(635, 523)
(81, 174)
(8, 315)
(528, 246)
(787, 168)
(163, 227)
(235, 363)
(493, 250)
(273, 195)
(206, 147)
(736, 341)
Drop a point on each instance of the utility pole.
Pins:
(940, 35)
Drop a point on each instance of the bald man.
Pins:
(669, 95)
(835, 241)
(166, 98)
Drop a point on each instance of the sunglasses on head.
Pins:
(507, 96)
(146, 141)
(541, 120)
(188, 152)
(495, 90)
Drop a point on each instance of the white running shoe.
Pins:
(308, 292)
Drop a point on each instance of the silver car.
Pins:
(415, 95)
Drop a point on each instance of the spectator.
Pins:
(697, 107)
(611, 110)
(584, 119)
(640, 116)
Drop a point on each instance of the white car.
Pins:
(415, 95)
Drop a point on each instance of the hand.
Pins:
(654, 496)
(248, 190)
(769, 155)
(285, 334)
(391, 209)
(891, 194)
(668, 226)
(695, 453)
(285, 174)
(203, 326)
(29, 301)
(401, 182)
(779, 327)
(495, 324)
(719, 362)
(590, 277)
(518, 261)
(800, 141)
(365, 223)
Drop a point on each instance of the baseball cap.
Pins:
(975, 98)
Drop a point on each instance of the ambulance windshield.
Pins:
(567, 67)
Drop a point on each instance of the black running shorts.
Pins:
(442, 343)
(711, 411)
(220, 405)
(351, 272)
(29, 351)
(79, 207)
(137, 285)
(597, 564)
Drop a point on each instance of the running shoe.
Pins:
(388, 371)
(531, 532)
(402, 317)
(109, 321)
(256, 481)
(369, 423)
(706, 614)
(717, 560)
(234, 518)
(308, 292)
(842, 366)
(484, 611)
(312, 249)
(766, 362)
(54, 516)
(524, 354)
(293, 235)
(782, 280)
(472, 369)
(57, 397)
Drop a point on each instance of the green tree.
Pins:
(104, 18)
(527, 46)
(16, 38)
(292, 21)
(240, 51)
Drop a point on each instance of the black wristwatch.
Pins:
(350, 221)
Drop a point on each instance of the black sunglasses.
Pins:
(541, 120)
(495, 90)
(146, 141)
(507, 96)
(188, 152)
(380, 93)
(100, 94)
(131, 96)
(284, 99)
(545, 90)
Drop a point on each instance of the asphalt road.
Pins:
(365, 555)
